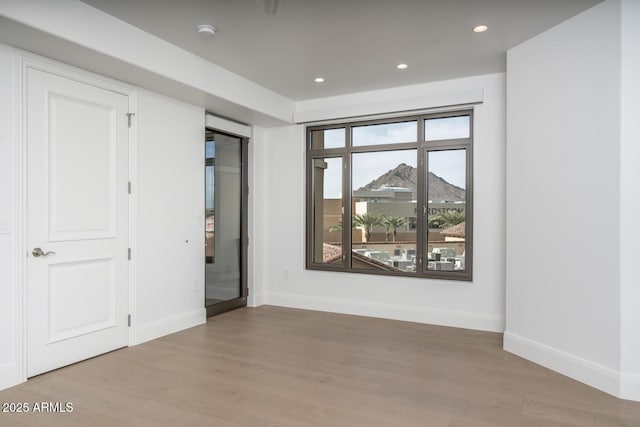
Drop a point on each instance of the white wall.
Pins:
(167, 239)
(630, 203)
(9, 344)
(169, 189)
(258, 227)
(563, 150)
(280, 217)
(254, 277)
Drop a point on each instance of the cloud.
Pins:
(391, 133)
(366, 167)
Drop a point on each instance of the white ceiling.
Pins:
(354, 44)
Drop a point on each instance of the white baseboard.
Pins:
(585, 371)
(630, 387)
(10, 375)
(159, 328)
(458, 319)
(255, 300)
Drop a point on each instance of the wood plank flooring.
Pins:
(271, 366)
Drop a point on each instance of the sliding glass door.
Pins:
(225, 222)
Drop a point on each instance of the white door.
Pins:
(77, 177)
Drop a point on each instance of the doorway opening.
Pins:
(225, 222)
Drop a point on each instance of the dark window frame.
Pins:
(240, 301)
(423, 148)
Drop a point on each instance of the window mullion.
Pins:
(346, 202)
(469, 209)
(421, 203)
(310, 217)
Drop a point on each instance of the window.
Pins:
(392, 197)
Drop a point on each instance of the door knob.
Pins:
(37, 252)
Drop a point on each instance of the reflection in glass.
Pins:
(327, 190)
(223, 216)
(446, 128)
(384, 186)
(327, 138)
(209, 200)
(446, 210)
(389, 133)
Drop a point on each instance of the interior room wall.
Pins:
(280, 217)
(167, 239)
(563, 163)
(169, 190)
(630, 202)
(255, 226)
(9, 363)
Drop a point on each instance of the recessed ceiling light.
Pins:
(206, 30)
(318, 80)
(480, 29)
(401, 66)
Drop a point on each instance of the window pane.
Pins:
(390, 133)
(387, 161)
(327, 204)
(446, 128)
(223, 210)
(384, 210)
(446, 210)
(209, 199)
(327, 138)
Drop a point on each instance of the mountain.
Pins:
(406, 176)
(440, 189)
(402, 176)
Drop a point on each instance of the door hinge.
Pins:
(129, 187)
(129, 116)
(129, 254)
(129, 320)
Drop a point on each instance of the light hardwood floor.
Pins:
(272, 366)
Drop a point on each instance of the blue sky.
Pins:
(366, 167)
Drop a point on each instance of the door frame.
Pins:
(225, 306)
(24, 62)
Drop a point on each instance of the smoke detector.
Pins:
(206, 30)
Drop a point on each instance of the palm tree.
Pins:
(337, 227)
(391, 224)
(367, 221)
(447, 219)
